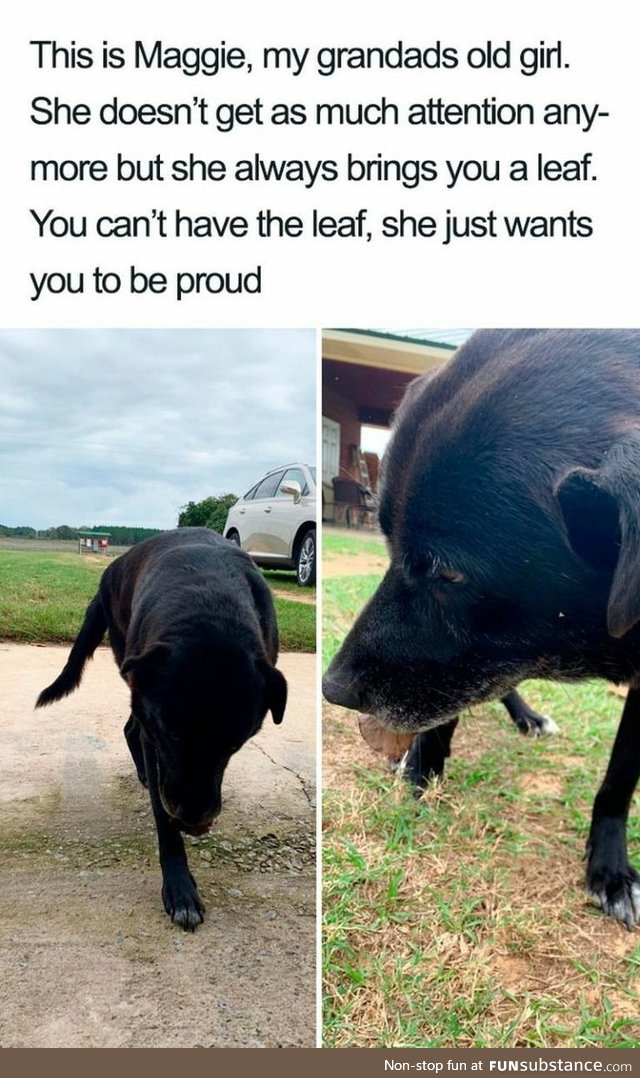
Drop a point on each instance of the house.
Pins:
(364, 376)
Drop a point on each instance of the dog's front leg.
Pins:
(133, 737)
(612, 883)
(179, 890)
(426, 757)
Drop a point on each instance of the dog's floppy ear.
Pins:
(140, 667)
(601, 511)
(275, 692)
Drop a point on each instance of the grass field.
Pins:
(352, 546)
(282, 580)
(43, 596)
(459, 919)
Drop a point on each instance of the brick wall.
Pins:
(343, 411)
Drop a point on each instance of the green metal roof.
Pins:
(436, 338)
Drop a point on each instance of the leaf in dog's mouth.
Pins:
(391, 743)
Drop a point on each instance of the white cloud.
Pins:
(125, 426)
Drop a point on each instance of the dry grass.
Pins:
(460, 919)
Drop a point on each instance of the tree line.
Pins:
(209, 513)
(120, 534)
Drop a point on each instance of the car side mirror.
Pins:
(292, 487)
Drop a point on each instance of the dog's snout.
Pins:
(189, 817)
(195, 823)
(340, 689)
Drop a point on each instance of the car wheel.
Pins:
(234, 538)
(306, 564)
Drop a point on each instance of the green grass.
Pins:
(459, 919)
(43, 597)
(296, 624)
(286, 581)
(344, 544)
(342, 598)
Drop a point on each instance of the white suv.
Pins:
(275, 522)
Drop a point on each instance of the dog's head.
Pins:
(198, 702)
(511, 507)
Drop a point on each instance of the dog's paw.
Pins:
(616, 893)
(534, 725)
(183, 903)
(419, 779)
(544, 727)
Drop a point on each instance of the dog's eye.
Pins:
(452, 576)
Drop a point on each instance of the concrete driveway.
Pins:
(88, 957)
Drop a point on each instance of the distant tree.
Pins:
(19, 532)
(64, 531)
(196, 514)
(61, 531)
(209, 513)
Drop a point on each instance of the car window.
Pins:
(268, 486)
(298, 476)
(250, 494)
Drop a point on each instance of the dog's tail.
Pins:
(93, 629)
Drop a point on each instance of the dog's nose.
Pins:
(196, 821)
(340, 690)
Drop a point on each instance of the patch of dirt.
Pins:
(512, 971)
(88, 958)
(343, 746)
(542, 784)
(476, 731)
(299, 596)
(625, 1006)
(334, 565)
(571, 763)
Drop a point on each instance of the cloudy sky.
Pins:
(125, 426)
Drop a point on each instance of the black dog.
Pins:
(511, 505)
(193, 630)
(429, 750)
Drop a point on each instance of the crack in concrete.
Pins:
(291, 771)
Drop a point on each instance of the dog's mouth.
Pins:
(195, 831)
